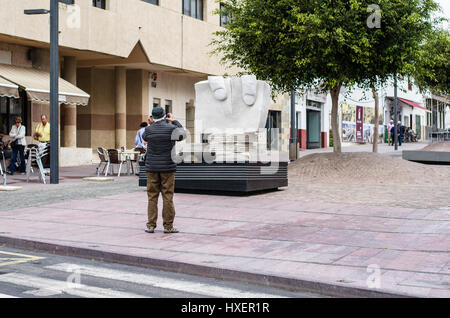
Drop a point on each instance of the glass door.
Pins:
(418, 127)
(273, 126)
(313, 129)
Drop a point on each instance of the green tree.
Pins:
(322, 44)
(433, 65)
(394, 45)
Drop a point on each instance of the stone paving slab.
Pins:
(289, 243)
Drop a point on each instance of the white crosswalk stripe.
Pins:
(161, 282)
(2, 296)
(45, 287)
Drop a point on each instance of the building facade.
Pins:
(125, 57)
(312, 120)
(412, 111)
(423, 112)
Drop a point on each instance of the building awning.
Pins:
(412, 104)
(36, 83)
(8, 89)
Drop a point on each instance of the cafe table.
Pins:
(126, 155)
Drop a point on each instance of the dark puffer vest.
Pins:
(161, 138)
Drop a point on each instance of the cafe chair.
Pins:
(115, 159)
(104, 160)
(136, 158)
(35, 161)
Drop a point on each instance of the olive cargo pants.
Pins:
(164, 183)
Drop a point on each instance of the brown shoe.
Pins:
(171, 231)
(151, 229)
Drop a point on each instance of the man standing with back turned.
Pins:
(161, 137)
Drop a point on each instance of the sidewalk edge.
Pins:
(293, 284)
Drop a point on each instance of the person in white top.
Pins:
(18, 144)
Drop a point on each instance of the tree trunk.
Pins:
(377, 111)
(334, 119)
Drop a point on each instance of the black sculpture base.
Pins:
(427, 157)
(227, 177)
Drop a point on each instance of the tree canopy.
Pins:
(433, 65)
(324, 44)
(301, 43)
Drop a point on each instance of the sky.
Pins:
(445, 5)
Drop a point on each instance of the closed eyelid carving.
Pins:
(217, 86)
(249, 87)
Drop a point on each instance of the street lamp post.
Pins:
(54, 91)
(395, 113)
(54, 81)
(293, 139)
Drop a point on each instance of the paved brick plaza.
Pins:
(327, 232)
(367, 179)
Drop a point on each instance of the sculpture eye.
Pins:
(249, 86)
(217, 85)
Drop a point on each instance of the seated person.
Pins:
(412, 134)
(5, 140)
(404, 133)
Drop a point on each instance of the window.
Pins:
(193, 8)
(224, 18)
(313, 104)
(10, 108)
(156, 102)
(273, 127)
(101, 4)
(156, 2)
(168, 106)
(406, 121)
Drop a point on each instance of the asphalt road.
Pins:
(31, 197)
(25, 274)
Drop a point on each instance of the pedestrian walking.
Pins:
(400, 133)
(18, 144)
(161, 138)
(390, 136)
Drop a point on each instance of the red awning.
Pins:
(412, 104)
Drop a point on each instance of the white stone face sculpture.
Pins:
(240, 103)
(232, 112)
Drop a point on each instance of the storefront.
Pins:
(410, 114)
(312, 120)
(438, 108)
(29, 98)
(349, 131)
(10, 106)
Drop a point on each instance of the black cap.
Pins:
(158, 112)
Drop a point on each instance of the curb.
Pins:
(9, 188)
(292, 284)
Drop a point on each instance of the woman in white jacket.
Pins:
(18, 132)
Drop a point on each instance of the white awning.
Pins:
(8, 89)
(36, 83)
